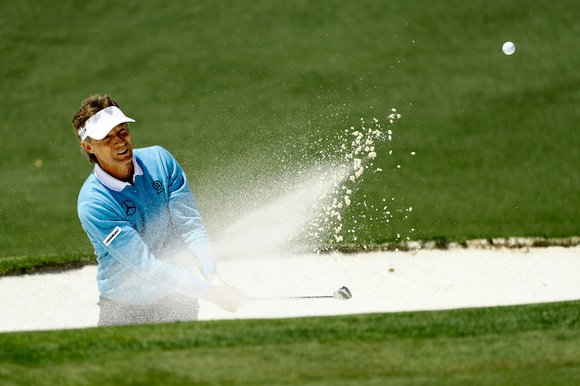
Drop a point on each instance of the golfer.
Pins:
(154, 256)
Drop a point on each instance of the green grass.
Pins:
(34, 264)
(531, 345)
(228, 84)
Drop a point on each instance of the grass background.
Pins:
(229, 87)
(526, 345)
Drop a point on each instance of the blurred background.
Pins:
(246, 95)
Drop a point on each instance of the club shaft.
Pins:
(291, 297)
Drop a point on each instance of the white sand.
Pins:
(380, 282)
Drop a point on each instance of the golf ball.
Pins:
(508, 48)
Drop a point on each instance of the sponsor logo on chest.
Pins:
(158, 187)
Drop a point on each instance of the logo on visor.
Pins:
(129, 208)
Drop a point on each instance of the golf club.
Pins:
(343, 293)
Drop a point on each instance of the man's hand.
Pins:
(227, 297)
(224, 295)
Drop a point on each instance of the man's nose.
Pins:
(117, 140)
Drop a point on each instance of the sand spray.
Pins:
(301, 208)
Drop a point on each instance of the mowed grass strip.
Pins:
(534, 344)
(20, 265)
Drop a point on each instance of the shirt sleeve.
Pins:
(186, 216)
(112, 234)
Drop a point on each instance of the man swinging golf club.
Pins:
(139, 213)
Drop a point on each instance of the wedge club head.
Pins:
(343, 293)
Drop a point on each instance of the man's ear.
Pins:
(87, 147)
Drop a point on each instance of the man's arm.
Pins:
(113, 234)
(187, 219)
(186, 216)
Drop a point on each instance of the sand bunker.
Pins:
(379, 281)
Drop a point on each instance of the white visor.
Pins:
(99, 125)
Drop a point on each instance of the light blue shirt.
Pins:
(139, 230)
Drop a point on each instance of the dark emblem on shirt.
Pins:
(158, 186)
(129, 207)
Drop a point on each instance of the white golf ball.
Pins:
(508, 48)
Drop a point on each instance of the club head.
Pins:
(342, 293)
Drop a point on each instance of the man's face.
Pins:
(115, 149)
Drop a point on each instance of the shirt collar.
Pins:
(111, 182)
